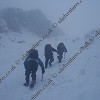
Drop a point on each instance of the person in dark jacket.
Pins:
(61, 49)
(49, 58)
(31, 65)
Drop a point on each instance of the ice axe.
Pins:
(64, 54)
(42, 77)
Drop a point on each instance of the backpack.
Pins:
(47, 47)
(33, 54)
(31, 59)
(60, 46)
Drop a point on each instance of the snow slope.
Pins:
(78, 81)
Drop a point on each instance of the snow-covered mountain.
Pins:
(17, 20)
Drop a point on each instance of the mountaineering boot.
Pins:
(26, 84)
(32, 84)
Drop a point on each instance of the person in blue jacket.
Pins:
(31, 65)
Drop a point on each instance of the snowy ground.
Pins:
(80, 80)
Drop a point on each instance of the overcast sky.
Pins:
(85, 18)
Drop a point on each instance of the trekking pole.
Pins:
(64, 54)
(42, 78)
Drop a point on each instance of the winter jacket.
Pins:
(61, 49)
(49, 52)
(26, 65)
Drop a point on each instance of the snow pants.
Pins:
(48, 60)
(31, 68)
(60, 56)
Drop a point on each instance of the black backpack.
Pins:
(60, 46)
(33, 54)
(47, 47)
(32, 58)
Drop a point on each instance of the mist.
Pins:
(84, 19)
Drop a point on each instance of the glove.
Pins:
(65, 50)
(43, 71)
